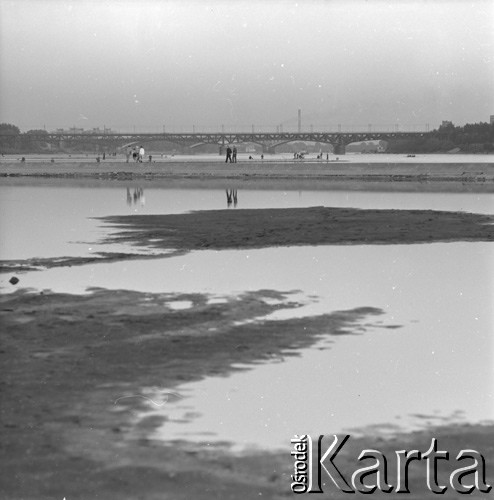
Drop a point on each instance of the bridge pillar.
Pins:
(339, 149)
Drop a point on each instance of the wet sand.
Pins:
(70, 363)
(66, 360)
(261, 228)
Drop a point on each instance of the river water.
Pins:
(428, 359)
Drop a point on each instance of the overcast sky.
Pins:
(149, 63)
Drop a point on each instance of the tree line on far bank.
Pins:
(469, 138)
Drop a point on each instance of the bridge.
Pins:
(268, 140)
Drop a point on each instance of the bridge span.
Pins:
(268, 140)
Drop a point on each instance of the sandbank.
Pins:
(413, 170)
(261, 228)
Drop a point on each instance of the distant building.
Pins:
(446, 123)
(492, 119)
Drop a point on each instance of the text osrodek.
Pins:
(315, 463)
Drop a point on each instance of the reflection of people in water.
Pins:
(231, 194)
(136, 197)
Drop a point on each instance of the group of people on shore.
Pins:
(136, 154)
(231, 154)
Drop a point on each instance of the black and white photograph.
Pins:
(246, 249)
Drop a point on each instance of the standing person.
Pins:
(234, 154)
(228, 154)
(141, 154)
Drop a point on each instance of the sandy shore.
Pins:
(481, 172)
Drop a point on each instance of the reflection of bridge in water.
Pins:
(268, 140)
